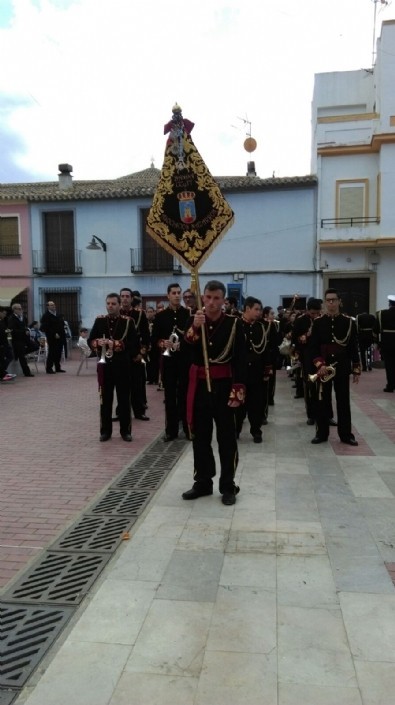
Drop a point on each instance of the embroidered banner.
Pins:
(189, 214)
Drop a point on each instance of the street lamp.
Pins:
(97, 243)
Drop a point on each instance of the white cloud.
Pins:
(95, 81)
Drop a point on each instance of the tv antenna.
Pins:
(384, 3)
(250, 144)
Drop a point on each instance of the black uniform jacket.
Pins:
(334, 339)
(226, 345)
(167, 322)
(259, 352)
(384, 329)
(121, 330)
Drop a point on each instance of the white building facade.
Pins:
(353, 155)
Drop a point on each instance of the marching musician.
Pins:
(168, 336)
(259, 368)
(131, 306)
(384, 333)
(226, 353)
(334, 344)
(114, 338)
(301, 340)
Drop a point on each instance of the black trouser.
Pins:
(255, 401)
(175, 383)
(116, 376)
(341, 385)
(209, 408)
(19, 354)
(389, 363)
(54, 354)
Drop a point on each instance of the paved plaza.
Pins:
(284, 599)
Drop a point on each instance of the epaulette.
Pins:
(102, 315)
(125, 317)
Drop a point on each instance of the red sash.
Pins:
(195, 373)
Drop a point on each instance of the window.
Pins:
(351, 202)
(59, 242)
(9, 236)
(155, 258)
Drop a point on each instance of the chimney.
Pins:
(251, 169)
(65, 178)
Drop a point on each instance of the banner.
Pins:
(189, 214)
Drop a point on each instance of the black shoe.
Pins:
(126, 437)
(29, 374)
(166, 439)
(386, 389)
(61, 371)
(299, 396)
(228, 498)
(257, 439)
(50, 372)
(350, 441)
(142, 417)
(195, 493)
(115, 418)
(104, 437)
(332, 422)
(310, 422)
(317, 439)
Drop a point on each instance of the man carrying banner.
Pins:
(227, 370)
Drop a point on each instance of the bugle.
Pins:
(174, 340)
(329, 374)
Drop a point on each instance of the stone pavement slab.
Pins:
(282, 599)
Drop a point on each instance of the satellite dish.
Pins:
(250, 144)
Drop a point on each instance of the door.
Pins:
(354, 294)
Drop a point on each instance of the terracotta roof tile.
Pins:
(141, 183)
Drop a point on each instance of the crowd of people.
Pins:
(216, 364)
(18, 340)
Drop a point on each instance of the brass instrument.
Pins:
(105, 354)
(174, 340)
(330, 373)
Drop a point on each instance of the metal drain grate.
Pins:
(145, 480)
(59, 578)
(26, 634)
(7, 696)
(122, 502)
(94, 533)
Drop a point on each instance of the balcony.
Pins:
(57, 262)
(10, 250)
(348, 222)
(153, 259)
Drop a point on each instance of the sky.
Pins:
(91, 83)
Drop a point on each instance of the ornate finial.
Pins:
(176, 108)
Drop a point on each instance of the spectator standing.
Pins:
(20, 337)
(52, 324)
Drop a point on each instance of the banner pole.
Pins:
(195, 286)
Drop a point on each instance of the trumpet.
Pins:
(330, 373)
(105, 354)
(174, 340)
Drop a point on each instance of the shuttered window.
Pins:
(351, 200)
(9, 236)
(155, 258)
(59, 242)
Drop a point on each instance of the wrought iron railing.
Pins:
(57, 262)
(348, 222)
(153, 259)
